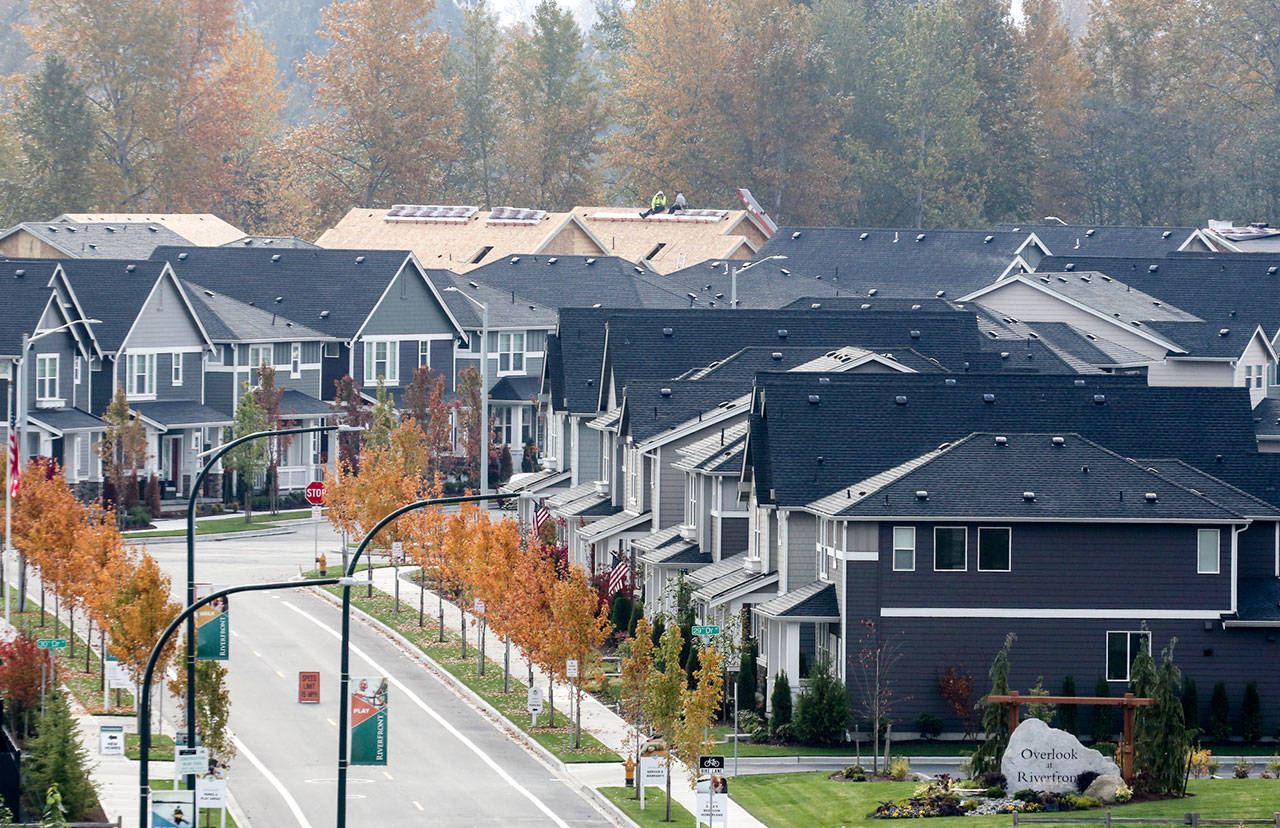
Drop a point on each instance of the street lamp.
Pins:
(216, 455)
(347, 581)
(21, 417)
(144, 698)
(484, 386)
(733, 286)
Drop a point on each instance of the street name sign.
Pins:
(314, 493)
(308, 687)
(52, 643)
(708, 630)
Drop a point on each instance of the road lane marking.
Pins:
(258, 654)
(441, 720)
(331, 721)
(389, 776)
(418, 805)
(236, 634)
(275, 783)
(280, 674)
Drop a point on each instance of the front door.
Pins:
(175, 463)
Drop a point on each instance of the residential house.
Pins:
(61, 239)
(1113, 240)
(202, 229)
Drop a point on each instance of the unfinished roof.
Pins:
(203, 229)
(668, 242)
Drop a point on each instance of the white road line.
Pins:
(258, 654)
(413, 697)
(389, 776)
(331, 721)
(280, 674)
(275, 783)
(418, 805)
(236, 634)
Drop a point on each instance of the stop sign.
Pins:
(315, 493)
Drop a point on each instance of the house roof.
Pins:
(570, 495)
(720, 568)
(229, 320)
(668, 242)
(24, 283)
(203, 229)
(580, 281)
(1259, 600)
(593, 505)
(326, 290)
(1105, 240)
(180, 414)
(113, 291)
(1041, 476)
(815, 601)
(573, 359)
(89, 240)
(1197, 480)
(1266, 417)
(870, 303)
(650, 407)
(621, 522)
(799, 451)
(61, 420)
(738, 582)
(506, 308)
(515, 389)
(840, 261)
(669, 548)
(298, 404)
(1074, 343)
(718, 453)
(538, 481)
(277, 242)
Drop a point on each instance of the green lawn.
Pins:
(161, 748)
(209, 817)
(655, 806)
(813, 801)
(556, 739)
(219, 526)
(748, 748)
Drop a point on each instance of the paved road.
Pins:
(448, 764)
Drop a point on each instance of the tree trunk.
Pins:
(667, 760)
(551, 699)
(462, 626)
(22, 582)
(71, 627)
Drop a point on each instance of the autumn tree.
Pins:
(383, 111)
(467, 410)
(247, 460)
(21, 663)
(634, 669)
(578, 628)
(382, 417)
(699, 704)
(46, 520)
(123, 449)
(350, 410)
(213, 707)
(662, 693)
(268, 396)
(137, 609)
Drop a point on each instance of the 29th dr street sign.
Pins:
(713, 630)
(51, 643)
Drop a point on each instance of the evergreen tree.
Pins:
(995, 721)
(1251, 713)
(1104, 715)
(55, 757)
(382, 418)
(822, 710)
(473, 64)
(1219, 714)
(1161, 740)
(747, 678)
(56, 131)
(1190, 705)
(780, 702)
(1067, 718)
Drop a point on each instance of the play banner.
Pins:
(173, 809)
(213, 627)
(369, 721)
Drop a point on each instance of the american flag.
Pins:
(15, 471)
(617, 576)
(541, 516)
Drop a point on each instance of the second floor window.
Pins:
(46, 376)
(511, 352)
(140, 375)
(424, 353)
(295, 360)
(949, 551)
(381, 359)
(1208, 552)
(904, 548)
(176, 375)
(260, 355)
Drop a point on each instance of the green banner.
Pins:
(368, 721)
(213, 628)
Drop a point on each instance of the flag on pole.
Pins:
(15, 470)
(617, 576)
(541, 516)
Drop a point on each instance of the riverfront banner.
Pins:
(369, 721)
(213, 627)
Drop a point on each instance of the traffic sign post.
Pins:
(478, 607)
(111, 740)
(314, 493)
(534, 704)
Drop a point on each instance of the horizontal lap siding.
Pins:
(1110, 566)
(1257, 552)
(802, 550)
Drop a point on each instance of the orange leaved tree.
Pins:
(46, 518)
(138, 608)
(578, 628)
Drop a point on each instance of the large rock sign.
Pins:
(1043, 758)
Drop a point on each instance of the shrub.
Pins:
(1241, 769)
(1219, 714)
(854, 773)
(1104, 716)
(1084, 780)
(994, 792)
(1190, 706)
(1200, 762)
(1273, 765)
(1039, 710)
(1251, 713)
(1124, 793)
(899, 768)
(784, 732)
(993, 779)
(822, 711)
(620, 612)
(956, 686)
(153, 495)
(637, 612)
(746, 687)
(1067, 714)
(1027, 795)
(137, 518)
(929, 726)
(780, 703)
(1075, 802)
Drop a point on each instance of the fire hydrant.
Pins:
(630, 767)
(322, 564)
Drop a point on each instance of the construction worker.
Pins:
(679, 205)
(657, 204)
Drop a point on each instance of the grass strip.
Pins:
(161, 747)
(655, 806)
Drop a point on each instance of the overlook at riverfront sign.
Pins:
(1045, 759)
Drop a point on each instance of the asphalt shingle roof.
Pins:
(573, 359)
(717, 453)
(1105, 240)
(1266, 417)
(67, 419)
(862, 424)
(294, 402)
(813, 600)
(506, 308)
(24, 283)
(514, 389)
(569, 281)
(651, 407)
(112, 290)
(227, 319)
(180, 413)
(82, 240)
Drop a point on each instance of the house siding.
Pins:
(164, 322)
(801, 566)
(1256, 553)
(219, 391)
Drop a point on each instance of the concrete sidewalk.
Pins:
(597, 719)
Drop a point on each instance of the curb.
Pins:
(217, 536)
(610, 810)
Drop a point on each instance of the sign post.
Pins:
(111, 740)
(534, 704)
(479, 611)
(308, 687)
(314, 493)
(712, 791)
(397, 558)
(653, 767)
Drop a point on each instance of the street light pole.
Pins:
(144, 698)
(484, 386)
(190, 652)
(733, 282)
(344, 680)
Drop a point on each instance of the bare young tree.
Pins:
(872, 676)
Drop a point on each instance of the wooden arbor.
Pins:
(1128, 701)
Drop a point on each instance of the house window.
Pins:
(75, 370)
(950, 553)
(691, 505)
(993, 549)
(1122, 649)
(331, 350)
(382, 359)
(424, 353)
(1254, 376)
(502, 425)
(175, 375)
(1208, 552)
(473, 341)
(140, 375)
(215, 355)
(260, 355)
(904, 548)
(46, 376)
(295, 359)
(510, 352)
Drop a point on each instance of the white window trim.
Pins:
(1217, 559)
(295, 359)
(1128, 662)
(1008, 529)
(175, 368)
(510, 352)
(149, 368)
(41, 396)
(255, 364)
(896, 549)
(424, 353)
(75, 370)
(330, 350)
(391, 377)
(964, 529)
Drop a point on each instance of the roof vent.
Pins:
(1059, 441)
(784, 272)
(915, 307)
(1224, 331)
(863, 237)
(915, 334)
(552, 260)
(639, 269)
(782, 333)
(873, 291)
(1100, 398)
(208, 293)
(1090, 231)
(776, 355)
(988, 239)
(922, 494)
(1151, 497)
(813, 399)
(666, 392)
(900, 399)
(324, 314)
(795, 235)
(359, 259)
(920, 237)
(1029, 496)
(275, 257)
(131, 268)
(824, 380)
(515, 259)
(154, 229)
(19, 273)
(1069, 266)
(1002, 441)
(1271, 271)
(1166, 234)
(182, 256)
(590, 261)
(865, 306)
(1078, 383)
(1152, 268)
(940, 294)
(668, 332)
(279, 299)
(988, 398)
(949, 381)
(1004, 354)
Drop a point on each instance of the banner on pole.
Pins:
(213, 627)
(173, 809)
(369, 721)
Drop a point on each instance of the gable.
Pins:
(407, 306)
(572, 240)
(22, 244)
(165, 320)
